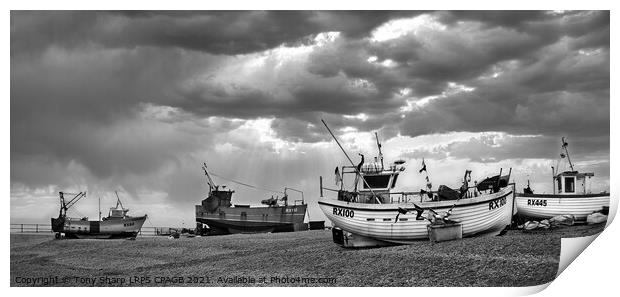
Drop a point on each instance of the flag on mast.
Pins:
(338, 178)
(423, 166)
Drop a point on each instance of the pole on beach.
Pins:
(553, 179)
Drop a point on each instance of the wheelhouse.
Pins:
(570, 182)
(374, 181)
(573, 182)
(378, 178)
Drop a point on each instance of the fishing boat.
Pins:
(374, 215)
(572, 194)
(116, 225)
(217, 215)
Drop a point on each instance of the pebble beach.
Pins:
(307, 258)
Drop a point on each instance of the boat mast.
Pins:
(99, 208)
(379, 146)
(565, 147)
(553, 179)
(209, 179)
(350, 161)
(118, 201)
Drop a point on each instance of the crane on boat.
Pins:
(64, 205)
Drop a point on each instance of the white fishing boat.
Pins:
(116, 225)
(573, 197)
(374, 215)
(377, 224)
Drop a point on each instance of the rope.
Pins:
(75, 211)
(150, 223)
(152, 226)
(247, 185)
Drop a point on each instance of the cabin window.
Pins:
(559, 185)
(569, 184)
(377, 181)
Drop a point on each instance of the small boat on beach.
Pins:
(116, 225)
(572, 195)
(373, 215)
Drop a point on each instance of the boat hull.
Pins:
(484, 214)
(545, 206)
(229, 220)
(111, 228)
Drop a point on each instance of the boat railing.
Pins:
(413, 196)
(405, 197)
(298, 191)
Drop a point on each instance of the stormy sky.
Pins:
(135, 101)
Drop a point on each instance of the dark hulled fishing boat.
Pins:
(222, 217)
(116, 225)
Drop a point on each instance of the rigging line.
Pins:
(75, 211)
(247, 185)
(150, 223)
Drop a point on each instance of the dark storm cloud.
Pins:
(475, 43)
(345, 55)
(85, 105)
(544, 23)
(543, 83)
(222, 32)
(217, 32)
(430, 59)
(563, 92)
(552, 68)
(309, 128)
(291, 129)
(349, 58)
(491, 148)
(493, 18)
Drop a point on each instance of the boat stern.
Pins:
(58, 224)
